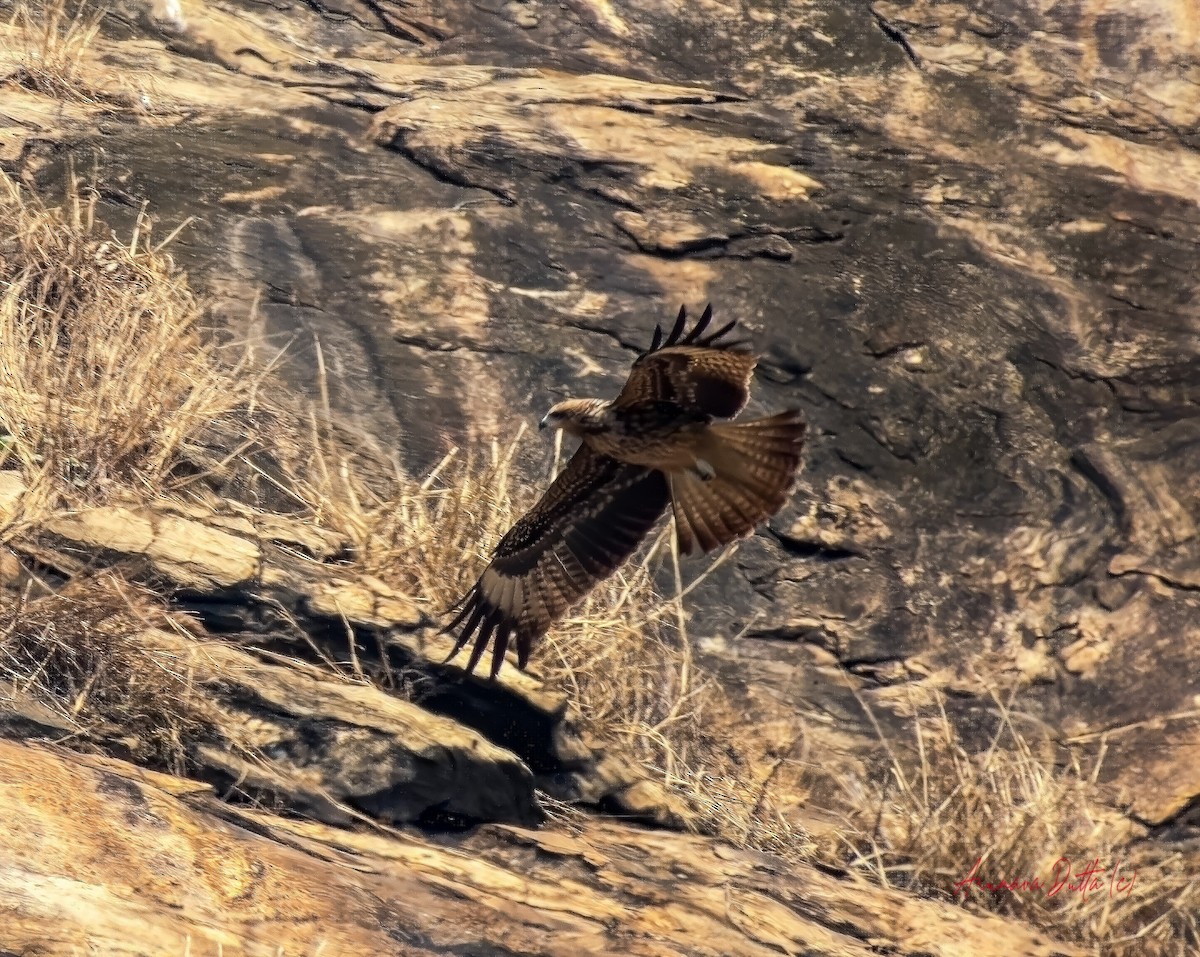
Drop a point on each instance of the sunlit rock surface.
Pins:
(963, 236)
(109, 858)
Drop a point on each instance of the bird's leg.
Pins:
(704, 470)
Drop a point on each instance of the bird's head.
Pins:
(575, 416)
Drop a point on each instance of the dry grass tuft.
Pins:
(47, 43)
(109, 383)
(623, 657)
(110, 389)
(1018, 813)
(82, 652)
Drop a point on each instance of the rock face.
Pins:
(103, 854)
(964, 238)
(332, 746)
(963, 235)
(166, 869)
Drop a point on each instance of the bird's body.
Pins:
(658, 444)
(655, 434)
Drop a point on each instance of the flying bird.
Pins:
(658, 444)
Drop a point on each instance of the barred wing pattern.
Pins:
(590, 520)
(698, 371)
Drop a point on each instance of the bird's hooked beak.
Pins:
(545, 422)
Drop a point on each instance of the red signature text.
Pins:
(1085, 880)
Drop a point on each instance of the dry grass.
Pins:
(47, 44)
(109, 383)
(54, 49)
(623, 657)
(109, 389)
(1018, 812)
(81, 652)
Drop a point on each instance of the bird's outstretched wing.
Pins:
(700, 371)
(589, 521)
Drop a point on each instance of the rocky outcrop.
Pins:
(123, 860)
(330, 745)
(161, 867)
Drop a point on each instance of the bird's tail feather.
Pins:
(754, 466)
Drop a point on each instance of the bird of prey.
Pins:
(658, 444)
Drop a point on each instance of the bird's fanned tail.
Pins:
(755, 466)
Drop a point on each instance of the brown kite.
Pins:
(657, 444)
